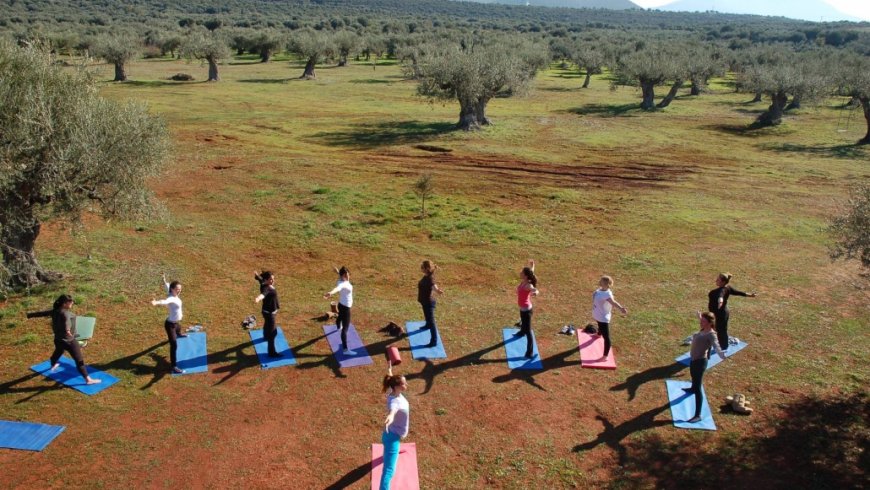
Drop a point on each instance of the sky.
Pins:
(854, 8)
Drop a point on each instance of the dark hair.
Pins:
(173, 285)
(265, 276)
(62, 300)
(429, 267)
(710, 318)
(391, 382)
(530, 275)
(343, 271)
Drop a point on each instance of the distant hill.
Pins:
(814, 10)
(578, 4)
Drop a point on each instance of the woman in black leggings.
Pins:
(702, 342)
(62, 321)
(718, 305)
(269, 297)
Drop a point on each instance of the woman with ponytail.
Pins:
(395, 424)
(702, 342)
(718, 304)
(527, 288)
(426, 297)
(62, 322)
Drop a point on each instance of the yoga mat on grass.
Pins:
(68, 375)
(262, 348)
(515, 348)
(591, 350)
(192, 353)
(419, 340)
(405, 477)
(686, 358)
(361, 356)
(27, 436)
(683, 406)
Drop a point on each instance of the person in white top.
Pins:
(602, 305)
(345, 301)
(172, 325)
(396, 423)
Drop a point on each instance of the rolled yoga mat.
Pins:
(360, 356)
(405, 477)
(591, 350)
(515, 348)
(262, 348)
(27, 436)
(68, 375)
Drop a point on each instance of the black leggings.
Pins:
(173, 331)
(604, 331)
(429, 315)
(526, 329)
(343, 323)
(71, 346)
(696, 369)
(722, 327)
(270, 332)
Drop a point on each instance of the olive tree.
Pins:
(207, 46)
(702, 63)
(346, 42)
(851, 230)
(474, 72)
(590, 59)
(117, 50)
(650, 65)
(66, 151)
(853, 77)
(313, 47)
(266, 44)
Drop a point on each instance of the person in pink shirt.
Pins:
(525, 290)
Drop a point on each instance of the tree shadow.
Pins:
(267, 80)
(352, 477)
(385, 134)
(816, 443)
(610, 110)
(635, 381)
(850, 151)
(157, 83)
(745, 130)
(561, 89)
(372, 81)
(614, 435)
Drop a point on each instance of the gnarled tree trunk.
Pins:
(757, 97)
(773, 115)
(649, 95)
(213, 75)
(795, 103)
(120, 73)
(697, 86)
(265, 55)
(588, 77)
(342, 59)
(472, 115)
(18, 233)
(309, 74)
(671, 94)
(865, 104)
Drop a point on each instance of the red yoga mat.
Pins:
(591, 350)
(405, 477)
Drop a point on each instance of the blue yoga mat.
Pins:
(68, 375)
(27, 436)
(683, 406)
(419, 340)
(686, 359)
(515, 348)
(281, 346)
(192, 353)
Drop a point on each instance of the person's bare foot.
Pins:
(55, 367)
(92, 381)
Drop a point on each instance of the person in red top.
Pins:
(527, 288)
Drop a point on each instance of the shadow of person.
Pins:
(352, 477)
(613, 435)
(635, 381)
(555, 361)
(431, 370)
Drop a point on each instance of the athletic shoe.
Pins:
(177, 370)
(565, 330)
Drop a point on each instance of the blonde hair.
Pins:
(607, 280)
(725, 276)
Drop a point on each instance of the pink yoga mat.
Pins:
(591, 350)
(405, 477)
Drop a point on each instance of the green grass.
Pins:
(297, 176)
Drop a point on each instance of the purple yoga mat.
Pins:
(333, 336)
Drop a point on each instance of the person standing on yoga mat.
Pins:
(345, 301)
(718, 304)
(395, 425)
(172, 324)
(62, 322)
(602, 306)
(269, 296)
(702, 342)
(425, 296)
(527, 288)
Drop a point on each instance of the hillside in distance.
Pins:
(814, 10)
(578, 4)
